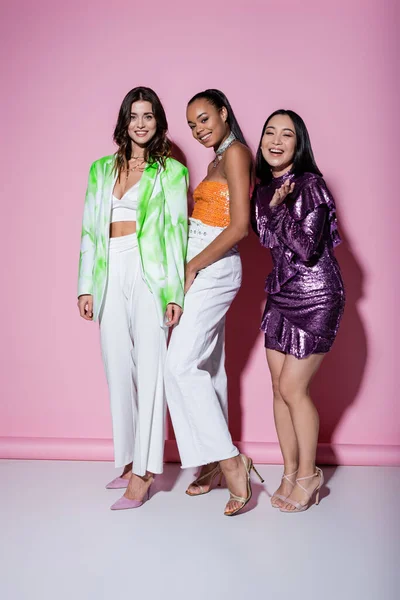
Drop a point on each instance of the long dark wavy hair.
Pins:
(303, 160)
(159, 147)
(219, 100)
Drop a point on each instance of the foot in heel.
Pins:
(119, 483)
(237, 476)
(136, 493)
(210, 476)
(122, 481)
(304, 492)
(284, 490)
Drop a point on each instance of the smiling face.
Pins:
(278, 144)
(143, 125)
(208, 124)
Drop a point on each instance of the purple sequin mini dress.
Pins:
(305, 288)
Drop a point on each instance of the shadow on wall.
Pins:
(243, 324)
(339, 379)
(336, 385)
(338, 382)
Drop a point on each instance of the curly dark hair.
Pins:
(159, 147)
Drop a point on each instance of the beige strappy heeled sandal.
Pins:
(212, 475)
(298, 507)
(280, 496)
(248, 465)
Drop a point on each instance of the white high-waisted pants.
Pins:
(195, 377)
(134, 348)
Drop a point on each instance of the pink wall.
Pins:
(66, 67)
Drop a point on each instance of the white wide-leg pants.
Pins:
(195, 377)
(134, 348)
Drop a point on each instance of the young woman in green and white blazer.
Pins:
(131, 278)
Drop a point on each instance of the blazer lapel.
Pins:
(146, 187)
(108, 186)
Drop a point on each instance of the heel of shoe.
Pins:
(257, 473)
(320, 484)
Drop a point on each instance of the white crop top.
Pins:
(125, 209)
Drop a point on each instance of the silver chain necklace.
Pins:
(224, 146)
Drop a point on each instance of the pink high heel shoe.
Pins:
(280, 496)
(302, 507)
(125, 504)
(119, 483)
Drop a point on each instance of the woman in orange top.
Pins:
(195, 377)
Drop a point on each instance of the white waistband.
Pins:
(198, 229)
(202, 235)
(123, 242)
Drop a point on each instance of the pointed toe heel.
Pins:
(126, 504)
(119, 483)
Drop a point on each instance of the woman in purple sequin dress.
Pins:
(295, 216)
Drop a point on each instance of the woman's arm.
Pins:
(175, 235)
(238, 174)
(253, 212)
(87, 251)
(302, 237)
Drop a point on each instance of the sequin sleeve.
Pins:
(302, 237)
(253, 212)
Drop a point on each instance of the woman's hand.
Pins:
(190, 276)
(85, 305)
(281, 194)
(173, 314)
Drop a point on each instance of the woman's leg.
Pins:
(116, 347)
(216, 367)
(127, 471)
(294, 385)
(284, 426)
(134, 349)
(197, 415)
(148, 398)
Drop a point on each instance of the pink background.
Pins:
(65, 69)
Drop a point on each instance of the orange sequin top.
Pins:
(211, 203)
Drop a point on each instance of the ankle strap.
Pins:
(212, 473)
(309, 477)
(289, 475)
(317, 473)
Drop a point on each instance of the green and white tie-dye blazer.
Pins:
(161, 228)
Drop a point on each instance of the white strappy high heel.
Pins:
(298, 507)
(280, 496)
